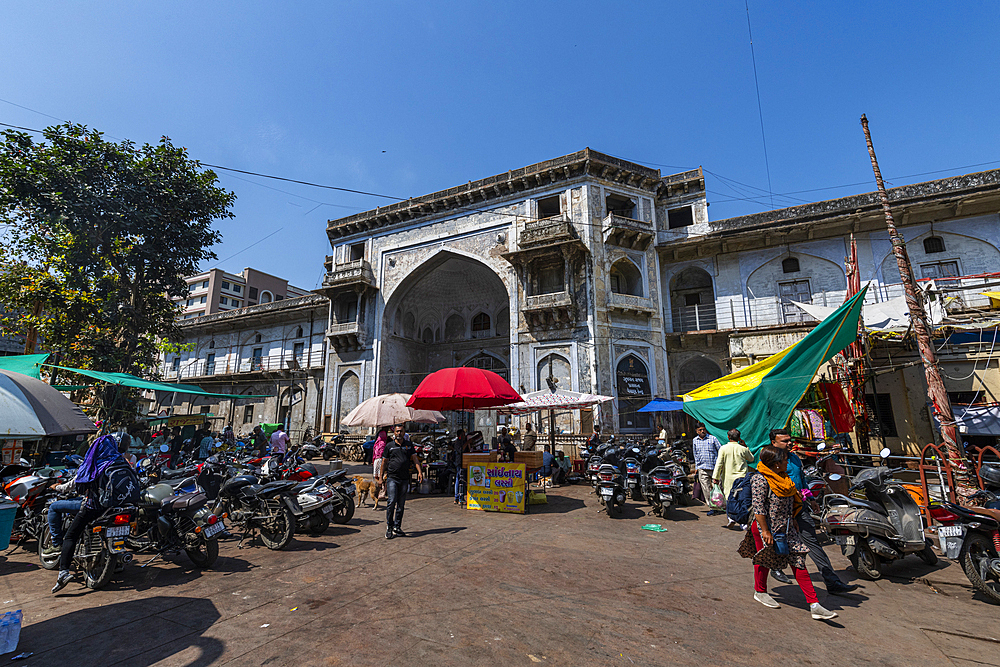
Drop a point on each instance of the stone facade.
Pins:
(275, 349)
(546, 271)
(745, 273)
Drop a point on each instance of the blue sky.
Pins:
(405, 98)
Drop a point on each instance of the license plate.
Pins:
(118, 531)
(606, 493)
(215, 529)
(949, 531)
(327, 509)
(844, 540)
(666, 496)
(631, 482)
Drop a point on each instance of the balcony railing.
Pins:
(547, 230)
(344, 274)
(553, 300)
(201, 368)
(694, 318)
(629, 302)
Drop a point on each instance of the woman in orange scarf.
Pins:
(775, 502)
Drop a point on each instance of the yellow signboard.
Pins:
(496, 487)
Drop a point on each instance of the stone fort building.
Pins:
(546, 273)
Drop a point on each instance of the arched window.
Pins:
(211, 345)
(696, 373)
(490, 363)
(298, 332)
(625, 278)
(266, 297)
(692, 300)
(790, 265)
(481, 326)
(633, 392)
(427, 336)
(933, 244)
(257, 338)
(554, 370)
(409, 325)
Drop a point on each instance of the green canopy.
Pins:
(760, 397)
(126, 380)
(25, 364)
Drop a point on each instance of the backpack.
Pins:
(118, 486)
(739, 505)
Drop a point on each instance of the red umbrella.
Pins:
(463, 388)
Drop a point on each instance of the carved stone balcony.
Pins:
(346, 336)
(546, 237)
(627, 303)
(356, 276)
(550, 311)
(627, 233)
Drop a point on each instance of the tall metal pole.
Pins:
(918, 319)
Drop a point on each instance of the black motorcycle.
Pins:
(100, 549)
(169, 523)
(269, 510)
(973, 539)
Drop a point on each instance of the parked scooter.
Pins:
(662, 482)
(885, 526)
(325, 499)
(101, 547)
(972, 536)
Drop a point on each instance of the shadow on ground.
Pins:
(95, 636)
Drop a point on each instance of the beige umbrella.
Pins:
(389, 409)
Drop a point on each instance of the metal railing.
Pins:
(694, 318)
(201, 368)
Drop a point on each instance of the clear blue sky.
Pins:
(405, 98)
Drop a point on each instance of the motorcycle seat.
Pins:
(174, 473)
(189, 501)
(335, 476)
(275, 487)
(179, 483)
(973, 513)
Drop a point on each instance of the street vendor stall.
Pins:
(551, 400)
(492, 486)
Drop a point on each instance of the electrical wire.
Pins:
(760, 109)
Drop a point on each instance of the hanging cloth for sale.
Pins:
(815, 420)
(839, 409)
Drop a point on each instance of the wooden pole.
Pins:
(918, 319)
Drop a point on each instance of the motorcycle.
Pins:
(169, 522)
(611, 489)
(972, 535)
(270, 510)
(101, 547)
(884, 526)
(322, 500)
(32, 493)
(633, 477)
(662, 482)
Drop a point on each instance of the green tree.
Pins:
(101, 235)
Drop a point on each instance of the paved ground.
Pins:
(563, 585)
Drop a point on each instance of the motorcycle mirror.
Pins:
(145, 463)
(821, 446)
(885, 452)
(834, 477)
(164, 448)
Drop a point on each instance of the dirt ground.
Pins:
(562, 585)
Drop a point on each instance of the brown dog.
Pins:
(367, 488)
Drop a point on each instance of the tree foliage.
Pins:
(102, 234)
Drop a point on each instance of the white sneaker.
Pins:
(768, 601)
(820, 613)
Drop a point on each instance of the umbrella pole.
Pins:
(552, 432)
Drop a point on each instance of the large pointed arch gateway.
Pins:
(461, 305)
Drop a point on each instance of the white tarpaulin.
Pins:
(884, 315)
(977, 419)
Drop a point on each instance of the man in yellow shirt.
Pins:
(731, 464)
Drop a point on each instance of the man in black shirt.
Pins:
(396, 458)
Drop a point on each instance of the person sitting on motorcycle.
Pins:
(55, 515)
(102, 455)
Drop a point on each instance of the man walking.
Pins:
(396, 458)
(706, 450)
(804, 521)
(731, 465)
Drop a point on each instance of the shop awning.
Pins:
(662, 405)
(546, 399)
(126, 380)
(25, 364)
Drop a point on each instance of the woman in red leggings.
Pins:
(775, 502)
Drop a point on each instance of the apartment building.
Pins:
(217, 291)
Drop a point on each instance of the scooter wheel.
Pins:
(327, 455)
(866, 562)
(928, 555)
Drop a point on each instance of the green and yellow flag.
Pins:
(760, 397)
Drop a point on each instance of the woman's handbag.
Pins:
(781, 540)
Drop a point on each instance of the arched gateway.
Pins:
(454, 311)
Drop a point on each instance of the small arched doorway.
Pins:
(696, 373)
(632, 387)
(348, 395)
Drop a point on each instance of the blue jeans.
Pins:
(395, 493)
(56, 510)
(459, 474)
